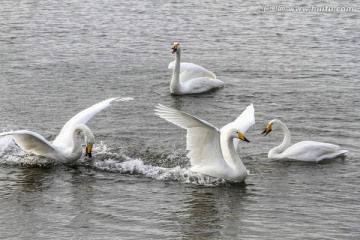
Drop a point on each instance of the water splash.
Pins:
(137, 167)
(111, 160)
(114, 160)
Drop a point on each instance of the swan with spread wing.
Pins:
(189, 78)
(67, 145)
(212, 151)
(302, 151)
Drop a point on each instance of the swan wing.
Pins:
(244, 121)
(190, 71)
(32, 142)
(202, 138)
(64, 138)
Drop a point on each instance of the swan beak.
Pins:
(175, 46)
(242, 137)
(88, 150)
(267, 130)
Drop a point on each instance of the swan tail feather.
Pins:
(332, 155)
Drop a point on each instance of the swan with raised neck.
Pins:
(302, 151)
(189, 78)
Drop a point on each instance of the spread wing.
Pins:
(244, 121)
(64, 139)
(202, 138)
(32, 142)
(190, 71)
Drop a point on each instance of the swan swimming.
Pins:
(212, 151)
(189, 78)
(302, 151)
(67, 145)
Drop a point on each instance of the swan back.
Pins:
(190, 71)
(312, 151)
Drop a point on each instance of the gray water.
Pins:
(60, 57)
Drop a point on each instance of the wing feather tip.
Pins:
(123, 99)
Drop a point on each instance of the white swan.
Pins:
(67, 145)
(189, 78)
(302, 151)
(212, 151)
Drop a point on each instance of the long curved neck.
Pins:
(229, 153)
(285, 143)
(76, 150)
(175, 80)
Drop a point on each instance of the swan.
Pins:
(302, 151)
(212, 151)
(67, 145)
(189, 78)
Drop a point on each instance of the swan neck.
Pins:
(78, 129)
(175, 80)
(229, 152)
(286, 141)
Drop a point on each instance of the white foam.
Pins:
(137, 167)
(111, 160)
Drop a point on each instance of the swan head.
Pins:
(89, 142)
(270, 126)
(88, 150)
(239, 135)
(88, 137)
(175, 47)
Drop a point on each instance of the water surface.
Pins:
(60, 57)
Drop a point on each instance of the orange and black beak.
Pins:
(88, 150)
(175, 47)
(267, 129)
(242, 137)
